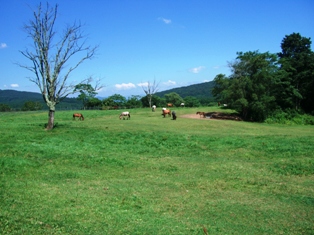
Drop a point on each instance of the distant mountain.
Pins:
(16, 99)
(201, 90)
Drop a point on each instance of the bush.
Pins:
(4, 108)
(290, 117)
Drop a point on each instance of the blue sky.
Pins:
(175, 42)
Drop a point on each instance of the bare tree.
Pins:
(150, 89)
(50, 56)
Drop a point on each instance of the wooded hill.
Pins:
(16, 99)
(201, 90)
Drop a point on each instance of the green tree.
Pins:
(31, 106)
(4, 108)
(93, 103)
(297, 73)
(115, 100)
(50, 56)
(155, 100)
(86, 91)
(191, 101)
(174, 98)
(220, 91)
(250, 87)
(134, 101)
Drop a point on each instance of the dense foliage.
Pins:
(263, 83)
(32, 106)
(4, 107)
(87, 95)
(297, 73)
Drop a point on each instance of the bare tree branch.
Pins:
(150, 90)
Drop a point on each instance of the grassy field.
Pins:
(154, 175)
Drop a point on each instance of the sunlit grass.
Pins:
(154, 175)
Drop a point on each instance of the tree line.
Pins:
(89, 101)
(262, 85)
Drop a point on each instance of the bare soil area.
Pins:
(214, 116)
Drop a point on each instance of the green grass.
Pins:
(153, 175)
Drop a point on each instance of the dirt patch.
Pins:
(214, 116)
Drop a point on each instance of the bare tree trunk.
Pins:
(51, 120)
(150, 100)
(51, 56)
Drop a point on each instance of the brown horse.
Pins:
(169, 105)
(79, 116)
(201, 114)
(165, 112)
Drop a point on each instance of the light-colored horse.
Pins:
(125, 114)
(154, 108)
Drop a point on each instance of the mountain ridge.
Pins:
(16, 99)
(200, 90)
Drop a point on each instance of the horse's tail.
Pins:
(82, 117)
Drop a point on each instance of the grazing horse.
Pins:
(182, 104)
(125, 114)
(79, 116)
(154, 108)
(165, 112)
(201, 114)
(169, 105)
(174, 115)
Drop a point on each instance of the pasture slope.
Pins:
(154, 175)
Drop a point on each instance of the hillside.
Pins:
(16, 99)
(201, 90)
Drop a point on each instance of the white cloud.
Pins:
(3, 45)
(14, 85)
(216, 67)
(197, 69)
(125, 86)
(145, 84)
(170, 83)
(166, 21)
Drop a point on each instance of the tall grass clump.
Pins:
(290, 117)
(154, 175)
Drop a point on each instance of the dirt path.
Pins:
(214, 116)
